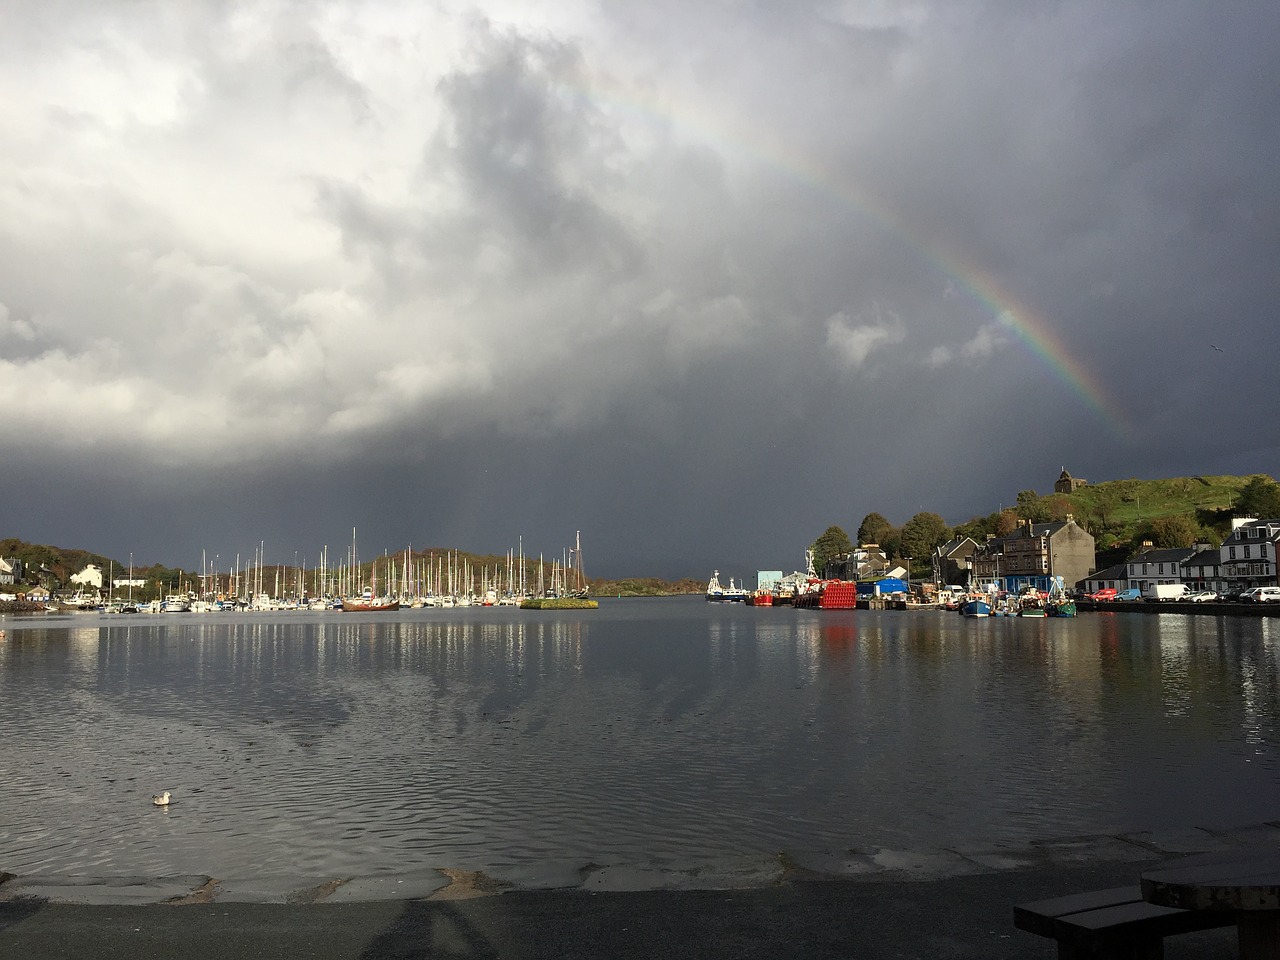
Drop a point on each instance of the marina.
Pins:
(667, 731)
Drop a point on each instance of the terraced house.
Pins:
(1247, 558)
(1153, 566)
(1060, 548)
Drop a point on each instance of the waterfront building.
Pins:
(951, 560)
(1036, 552)
(90, 576)
(1247, 557)
(1153, 566)
(10, 570)
(1115, 578)
(867, 562)
(1202, 570)
(768, 580)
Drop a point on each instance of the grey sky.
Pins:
(695, 278)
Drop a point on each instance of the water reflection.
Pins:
(647, 729)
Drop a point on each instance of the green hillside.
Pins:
(1120, 506)
(1122, 514)
(59, 562)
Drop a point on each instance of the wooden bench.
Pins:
(1112, 924)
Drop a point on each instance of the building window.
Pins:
(1246, 551)
(1231, 553)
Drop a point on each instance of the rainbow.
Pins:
(1033, 330)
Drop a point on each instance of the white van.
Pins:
(1165, 591)
(1262, 595)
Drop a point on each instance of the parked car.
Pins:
(1201, 596)
(1262, 595)
(1106, 593)
(1133, 593)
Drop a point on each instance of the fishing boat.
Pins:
(1031, 603)
(1057, 603)
(978, 601)
(720, 594)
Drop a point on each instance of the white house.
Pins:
(10, 570)
(1247, 558)
(1201, 571)
(1115, 578)
(90, 576)
(1153, 566)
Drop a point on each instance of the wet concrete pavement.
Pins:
(881, 904)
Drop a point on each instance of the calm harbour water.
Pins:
(670, 731)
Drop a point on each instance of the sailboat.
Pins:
(368, 600)
(582, 591)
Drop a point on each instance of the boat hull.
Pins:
(365, 606)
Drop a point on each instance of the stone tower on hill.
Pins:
(1068, 484)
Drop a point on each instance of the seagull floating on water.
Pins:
(161, 799)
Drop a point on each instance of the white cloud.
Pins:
(986, 342)
(14, 328)
(853, 343)
(939, 356)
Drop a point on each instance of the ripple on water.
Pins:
(645, 731)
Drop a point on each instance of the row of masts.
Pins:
(406, 577)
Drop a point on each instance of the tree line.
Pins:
(916, 540)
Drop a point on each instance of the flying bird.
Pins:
(1216, 347)
(161, 799)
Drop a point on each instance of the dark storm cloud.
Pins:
(697, 279)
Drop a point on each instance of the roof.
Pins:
(1204, 558)
(1170, 555)
(954, 544)
(1047, 529)
(1240, 535)
(1118, 572)
(1043, 529)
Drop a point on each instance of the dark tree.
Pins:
(1006, 523)
(874, 529)
(833, 543)
(1031, 506)
(921, 534)
(1260, 498)
(1166, 533)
